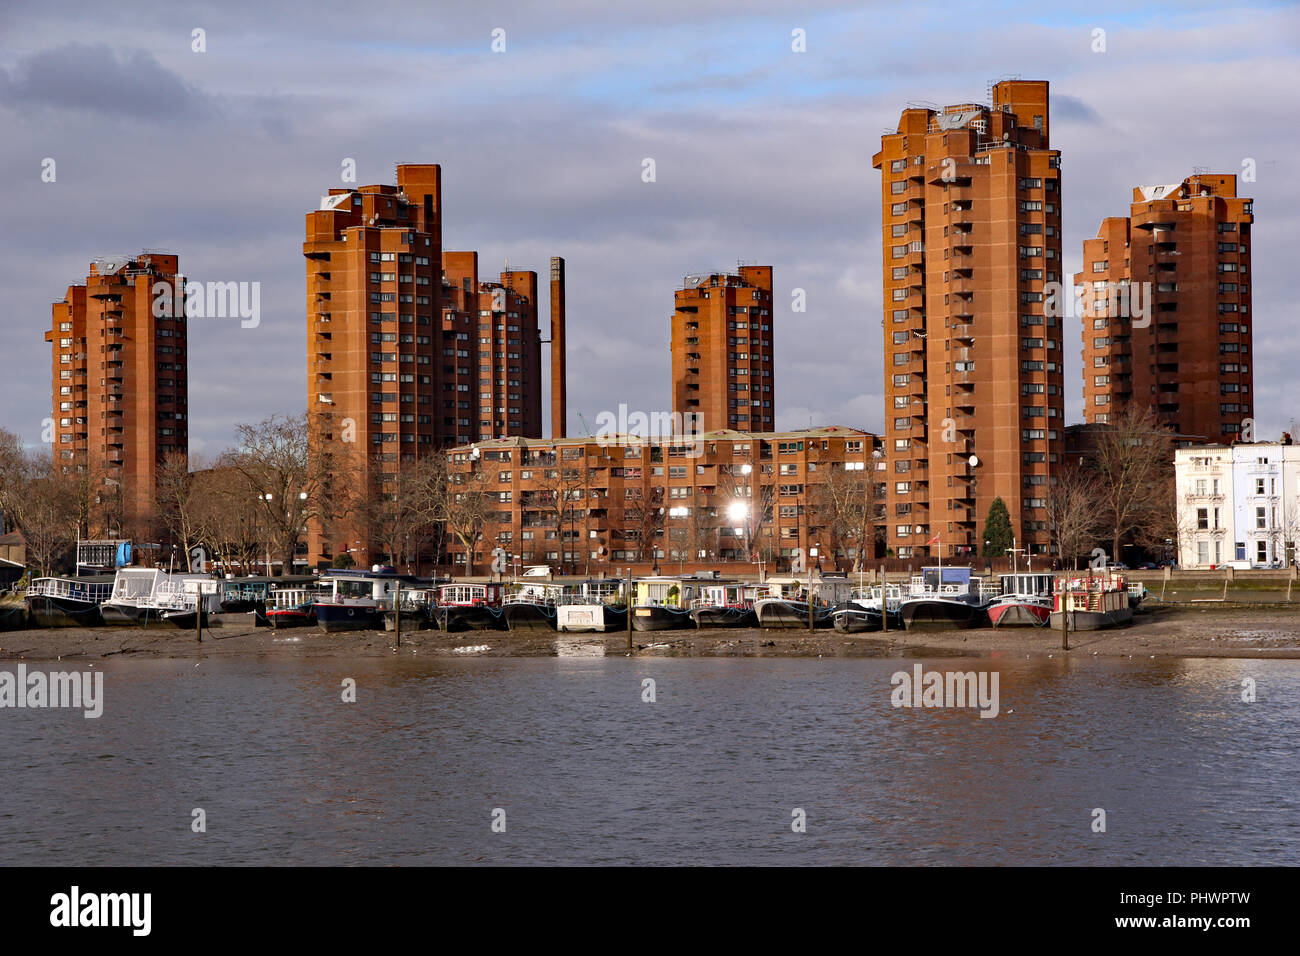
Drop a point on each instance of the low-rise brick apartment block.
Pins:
(599, 505)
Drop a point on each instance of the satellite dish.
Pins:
(973, 461)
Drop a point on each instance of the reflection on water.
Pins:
(709, 773)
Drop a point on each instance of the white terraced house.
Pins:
(1238, 505)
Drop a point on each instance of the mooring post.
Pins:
(1065, 620)
(884, 599)
(627, 600)
(397, 612)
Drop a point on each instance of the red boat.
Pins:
(1026, 601)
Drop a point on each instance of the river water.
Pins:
(582, 769)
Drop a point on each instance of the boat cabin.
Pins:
(1026, 585)
(666, 592)
(471, 595)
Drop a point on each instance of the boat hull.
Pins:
(1019, 614)
(579, 618)
(937, 615)
(333, 618)
(660, 618)
(412, 620)
(132, 615)
(49, 611)
(183, 619)
(291, 617)
(1094, 620)
(13, 616)
(706, 617)
(790, 615)
(529, 617)
(855, 619)
(468, 617)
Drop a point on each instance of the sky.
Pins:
(761, 153)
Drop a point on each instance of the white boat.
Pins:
(594, 606)
(145, 597)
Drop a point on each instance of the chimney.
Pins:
(559, 398)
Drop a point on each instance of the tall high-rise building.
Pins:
(722, 349)
(120, 397)
(971, 226)
(377, 393)
(1166, 296)
(460, 330)
(509, 357)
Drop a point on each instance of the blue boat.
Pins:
(357, 599)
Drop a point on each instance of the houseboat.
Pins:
(663, 603)
(252, 595)
(149, 597)
(593, 606)
(414, 611)
(862, 611)
(1092, 603)
(942, 598)
(462, 607)
(1025, 601)
(294, 607)
(727, 605)
(357, 599)
(786, 606)
(69, 602)
(531, 606)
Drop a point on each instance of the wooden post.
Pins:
(810, 602)
(397, 612)
(198, 615)
(884, 599)
(1225, 584)
(628, 602)
(1065, 620)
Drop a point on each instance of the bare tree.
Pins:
(403, 518)
(563, 497)
(643, 519)
(227, 518)
(178, 501)
(45, 512)
(14, 467)
(1133, 461)
(1072, 512)
(749, 505)
(465, 510)
(294, 480)
(847, 505)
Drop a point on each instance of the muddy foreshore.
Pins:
(1185, 631)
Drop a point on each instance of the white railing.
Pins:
(91, 592)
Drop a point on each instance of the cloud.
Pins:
(95, 80)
